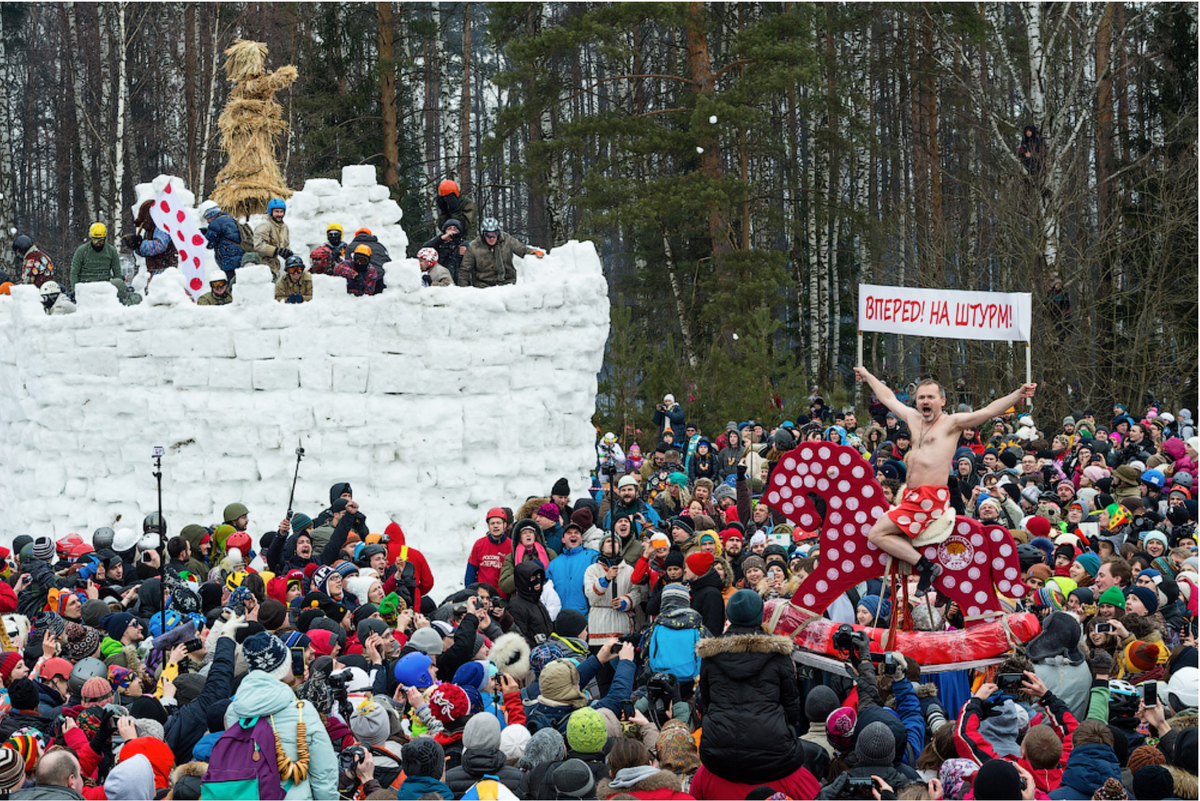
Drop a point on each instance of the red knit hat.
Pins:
(449, 702)
(323, 641)
(162, 759)
(729, 533)
(7, 663)
(1038, 526)
(699, 563)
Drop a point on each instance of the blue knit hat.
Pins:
(878, 607)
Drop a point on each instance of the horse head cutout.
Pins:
(978, 561)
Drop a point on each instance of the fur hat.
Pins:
(510, 654)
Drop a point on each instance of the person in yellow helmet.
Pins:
(323, 257)
(362, 277)
(96, 259)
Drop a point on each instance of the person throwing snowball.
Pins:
(934, 438)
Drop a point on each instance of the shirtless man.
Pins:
(934, 439)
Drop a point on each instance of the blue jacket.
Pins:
(566, 571)
(1088, 767)
(190, 722)
(224, 237)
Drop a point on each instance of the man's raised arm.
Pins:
(979, 417)
(885, 395)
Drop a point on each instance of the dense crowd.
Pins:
(466, 252)
(613, 645)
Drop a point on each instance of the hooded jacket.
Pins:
(708, 601)
(1088, 768)
(447, 249)
(194, 533)
(525, 606)
(461, 208)
(533, 553)
(260, 694)
(479, 763)
(567, 571)
(645, 782)
(750, 699)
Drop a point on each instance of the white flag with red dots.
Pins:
(169, 214)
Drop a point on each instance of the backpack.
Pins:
(243, 764)
(673, 640)
(247, 234)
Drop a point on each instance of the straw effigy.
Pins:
(250, 128)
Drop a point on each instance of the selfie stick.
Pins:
(162, 579)
(296, 475)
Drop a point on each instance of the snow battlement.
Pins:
(434, 403)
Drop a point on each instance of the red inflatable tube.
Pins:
(984, 641)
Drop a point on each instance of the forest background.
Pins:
(742, 167)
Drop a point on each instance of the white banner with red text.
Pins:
(949, 314)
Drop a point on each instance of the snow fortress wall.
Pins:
(434, 403)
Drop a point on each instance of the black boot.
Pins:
(929, 571)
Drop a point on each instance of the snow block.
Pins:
(430, 401)
(358, 175)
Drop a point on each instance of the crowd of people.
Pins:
(456, 256)
(613, 645)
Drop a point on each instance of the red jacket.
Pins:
(397, 547)
(8, 598)
(971, 745)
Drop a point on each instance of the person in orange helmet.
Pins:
(453, 205)
(362, 277)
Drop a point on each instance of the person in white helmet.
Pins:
(432, 273)
(219, 293)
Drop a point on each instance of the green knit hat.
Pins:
(1113, 596)
(586, 732)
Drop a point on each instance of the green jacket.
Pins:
(89, 265)
(209, 299)
(484, 266)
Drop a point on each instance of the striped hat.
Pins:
(29, 744)
(12, 769)
(43, 548)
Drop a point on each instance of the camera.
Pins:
(662, 693)
(338, 682)
(1104, 628)
(350, 758)
(843, 637)
(1010, 681)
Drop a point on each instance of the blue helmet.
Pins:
(275, 203)
(1154, 478)
(489, 225)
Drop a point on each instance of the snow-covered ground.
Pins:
(435, 404)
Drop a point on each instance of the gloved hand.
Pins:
(104, 733)
(901, 667)
(132, 241)
(741, 471)
(283, 253)
(232, 626)
(89, 570)
(295, 297)
(204, 230)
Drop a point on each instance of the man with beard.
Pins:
(926, 498)
(627, 503)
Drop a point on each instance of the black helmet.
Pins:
(102, 538)
(21, 244)
(84, 670)
(369, 550)
(153, 522)
(293, 261)
(1030, 555)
